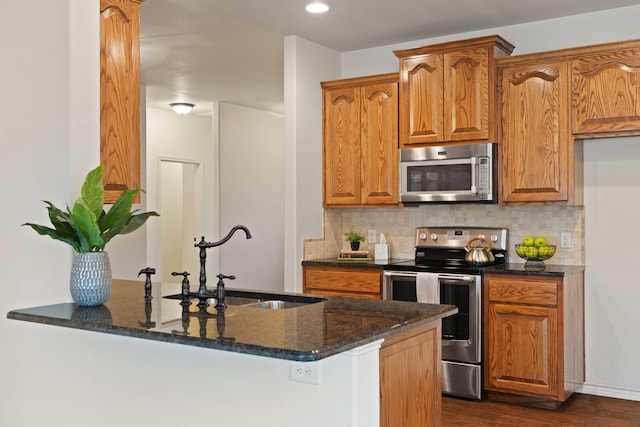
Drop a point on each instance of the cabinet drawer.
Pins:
(523, 289)
(359, 280)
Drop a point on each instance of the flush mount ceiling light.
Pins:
(316, 7)
(182, 108)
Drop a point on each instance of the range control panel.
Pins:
(458, 237)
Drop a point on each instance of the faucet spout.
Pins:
(202, 244)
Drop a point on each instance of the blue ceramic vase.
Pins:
(90, 282)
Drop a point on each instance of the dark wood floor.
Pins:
(580, 410)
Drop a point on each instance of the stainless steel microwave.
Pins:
(449, 173)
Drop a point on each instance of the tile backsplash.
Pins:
(399, 224)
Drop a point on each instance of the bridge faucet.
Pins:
(203, 253)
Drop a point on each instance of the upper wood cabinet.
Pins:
(606, 91)
(360, 141)
(448, 91)
(540, 164)
(120, 96)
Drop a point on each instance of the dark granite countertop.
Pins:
(304, 333)
(546, 270)
(508, 268)
(334, 262)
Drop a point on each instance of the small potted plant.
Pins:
(354, 238)
(87, 228)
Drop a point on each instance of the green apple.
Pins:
(532, 252)
(545, 251)
(540, 241)
(528, 241)
(522, 251)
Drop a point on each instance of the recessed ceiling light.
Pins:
(316, 8)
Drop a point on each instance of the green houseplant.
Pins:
(87, 228)
(354, 238)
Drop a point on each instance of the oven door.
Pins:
(461, 333)
(400, 286)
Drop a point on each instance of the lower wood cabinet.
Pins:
(411, 378)
(534, 336)
(348, 281)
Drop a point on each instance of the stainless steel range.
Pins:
(440, 274)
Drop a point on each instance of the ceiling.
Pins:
(201, 51)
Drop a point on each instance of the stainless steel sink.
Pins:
(277, 304)
(264, 300)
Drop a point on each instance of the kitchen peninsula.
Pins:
(350, 351)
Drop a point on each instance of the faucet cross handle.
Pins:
(220, 293)
(185, 285)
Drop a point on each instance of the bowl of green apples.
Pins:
(535, 250)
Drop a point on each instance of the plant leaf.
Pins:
(86, 226)
(136, 221)
(60, 220)
(54, 234)
(119, 213)
(92, 192)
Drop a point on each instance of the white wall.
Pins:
(611, 285)
(251, 168)
(612, 200)
(187, 141)
(306, 65)
(573, 31)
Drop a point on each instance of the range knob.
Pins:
(494, 238)
(423, 236)
(434, 236)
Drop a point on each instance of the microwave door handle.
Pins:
(474, 175)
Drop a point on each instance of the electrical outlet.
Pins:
(371, 237)
(305, 372)
(565, 240)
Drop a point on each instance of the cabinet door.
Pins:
(606, 94)
(120, 96)
(537, 149)
(466, 95)
(380, 143)
(523, 349)
(411, 378)
(421, 103)
(341, 147)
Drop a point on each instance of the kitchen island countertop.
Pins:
(304, 333)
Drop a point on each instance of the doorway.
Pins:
(178, 210)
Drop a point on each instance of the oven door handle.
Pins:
(456, 277)
(399, 274)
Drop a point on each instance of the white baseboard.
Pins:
(609, 391)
